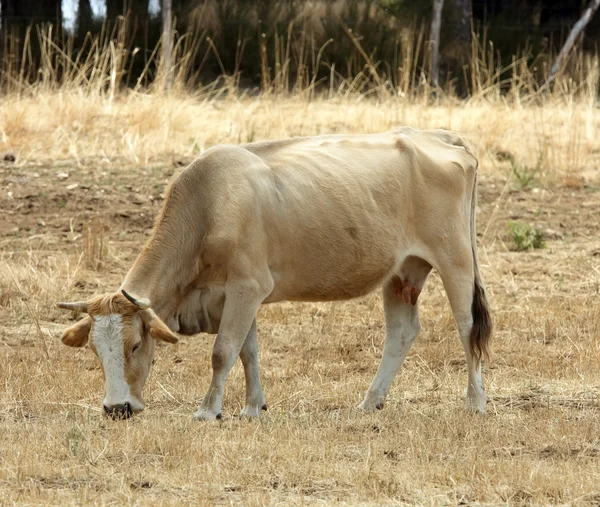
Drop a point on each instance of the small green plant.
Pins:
(525, 236)
(74, 440)
(526, 176)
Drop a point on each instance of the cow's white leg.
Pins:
(459, 287)
(255, 397)
(241, 304)
(401, 328)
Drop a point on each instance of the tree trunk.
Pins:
(536, 15)
(20, 13)
(577, 29)
(456, 40)
(10, 8)
(463, 27)
(114, 8)
(45, 11)
(137, 8)
(84, 17)
(434, 35)
(166, 43)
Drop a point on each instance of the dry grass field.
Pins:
(81, 197)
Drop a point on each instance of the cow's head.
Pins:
(121, 330)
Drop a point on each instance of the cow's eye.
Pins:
(135, 347)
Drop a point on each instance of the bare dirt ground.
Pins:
(539, 442)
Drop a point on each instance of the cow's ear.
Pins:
(157, 328)
(77, 334)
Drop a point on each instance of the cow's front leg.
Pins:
(241, 304)
(255, 397)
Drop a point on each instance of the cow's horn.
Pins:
(141, 303)
(79, 306)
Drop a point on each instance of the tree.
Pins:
(436, 24)
(463, 13)
(22, 12)
(115, 8)
(577, 29)
(167, 37)
(84, 17)
(456, 40)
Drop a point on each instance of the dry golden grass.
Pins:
(539, 442)
(559, 139)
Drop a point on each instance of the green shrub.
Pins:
(525, 236)
(526, 176)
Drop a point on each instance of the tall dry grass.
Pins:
(82, 104)
(555, 142)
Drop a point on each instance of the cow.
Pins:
(322, 218)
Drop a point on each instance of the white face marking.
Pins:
(108, 340)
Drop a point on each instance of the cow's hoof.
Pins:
(369, 406)
(206, 415)
(475, 406)
(251, 411)
(476, 401)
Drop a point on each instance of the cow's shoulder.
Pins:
(221, 168)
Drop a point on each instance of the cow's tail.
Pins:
(482, 321)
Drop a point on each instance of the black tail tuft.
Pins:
(482, 322)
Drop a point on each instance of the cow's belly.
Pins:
(324, 276)
(326, 291)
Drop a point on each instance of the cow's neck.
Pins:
(160, 275)
(168, 263)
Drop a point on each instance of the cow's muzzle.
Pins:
(118, 411)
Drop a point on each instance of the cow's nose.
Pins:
(118, 411)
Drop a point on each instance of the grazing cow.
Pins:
(320, 218)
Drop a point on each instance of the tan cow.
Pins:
(320, 218)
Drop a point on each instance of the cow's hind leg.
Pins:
(255, 397)
(242, 300)
(458, 279)
(402, 325)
